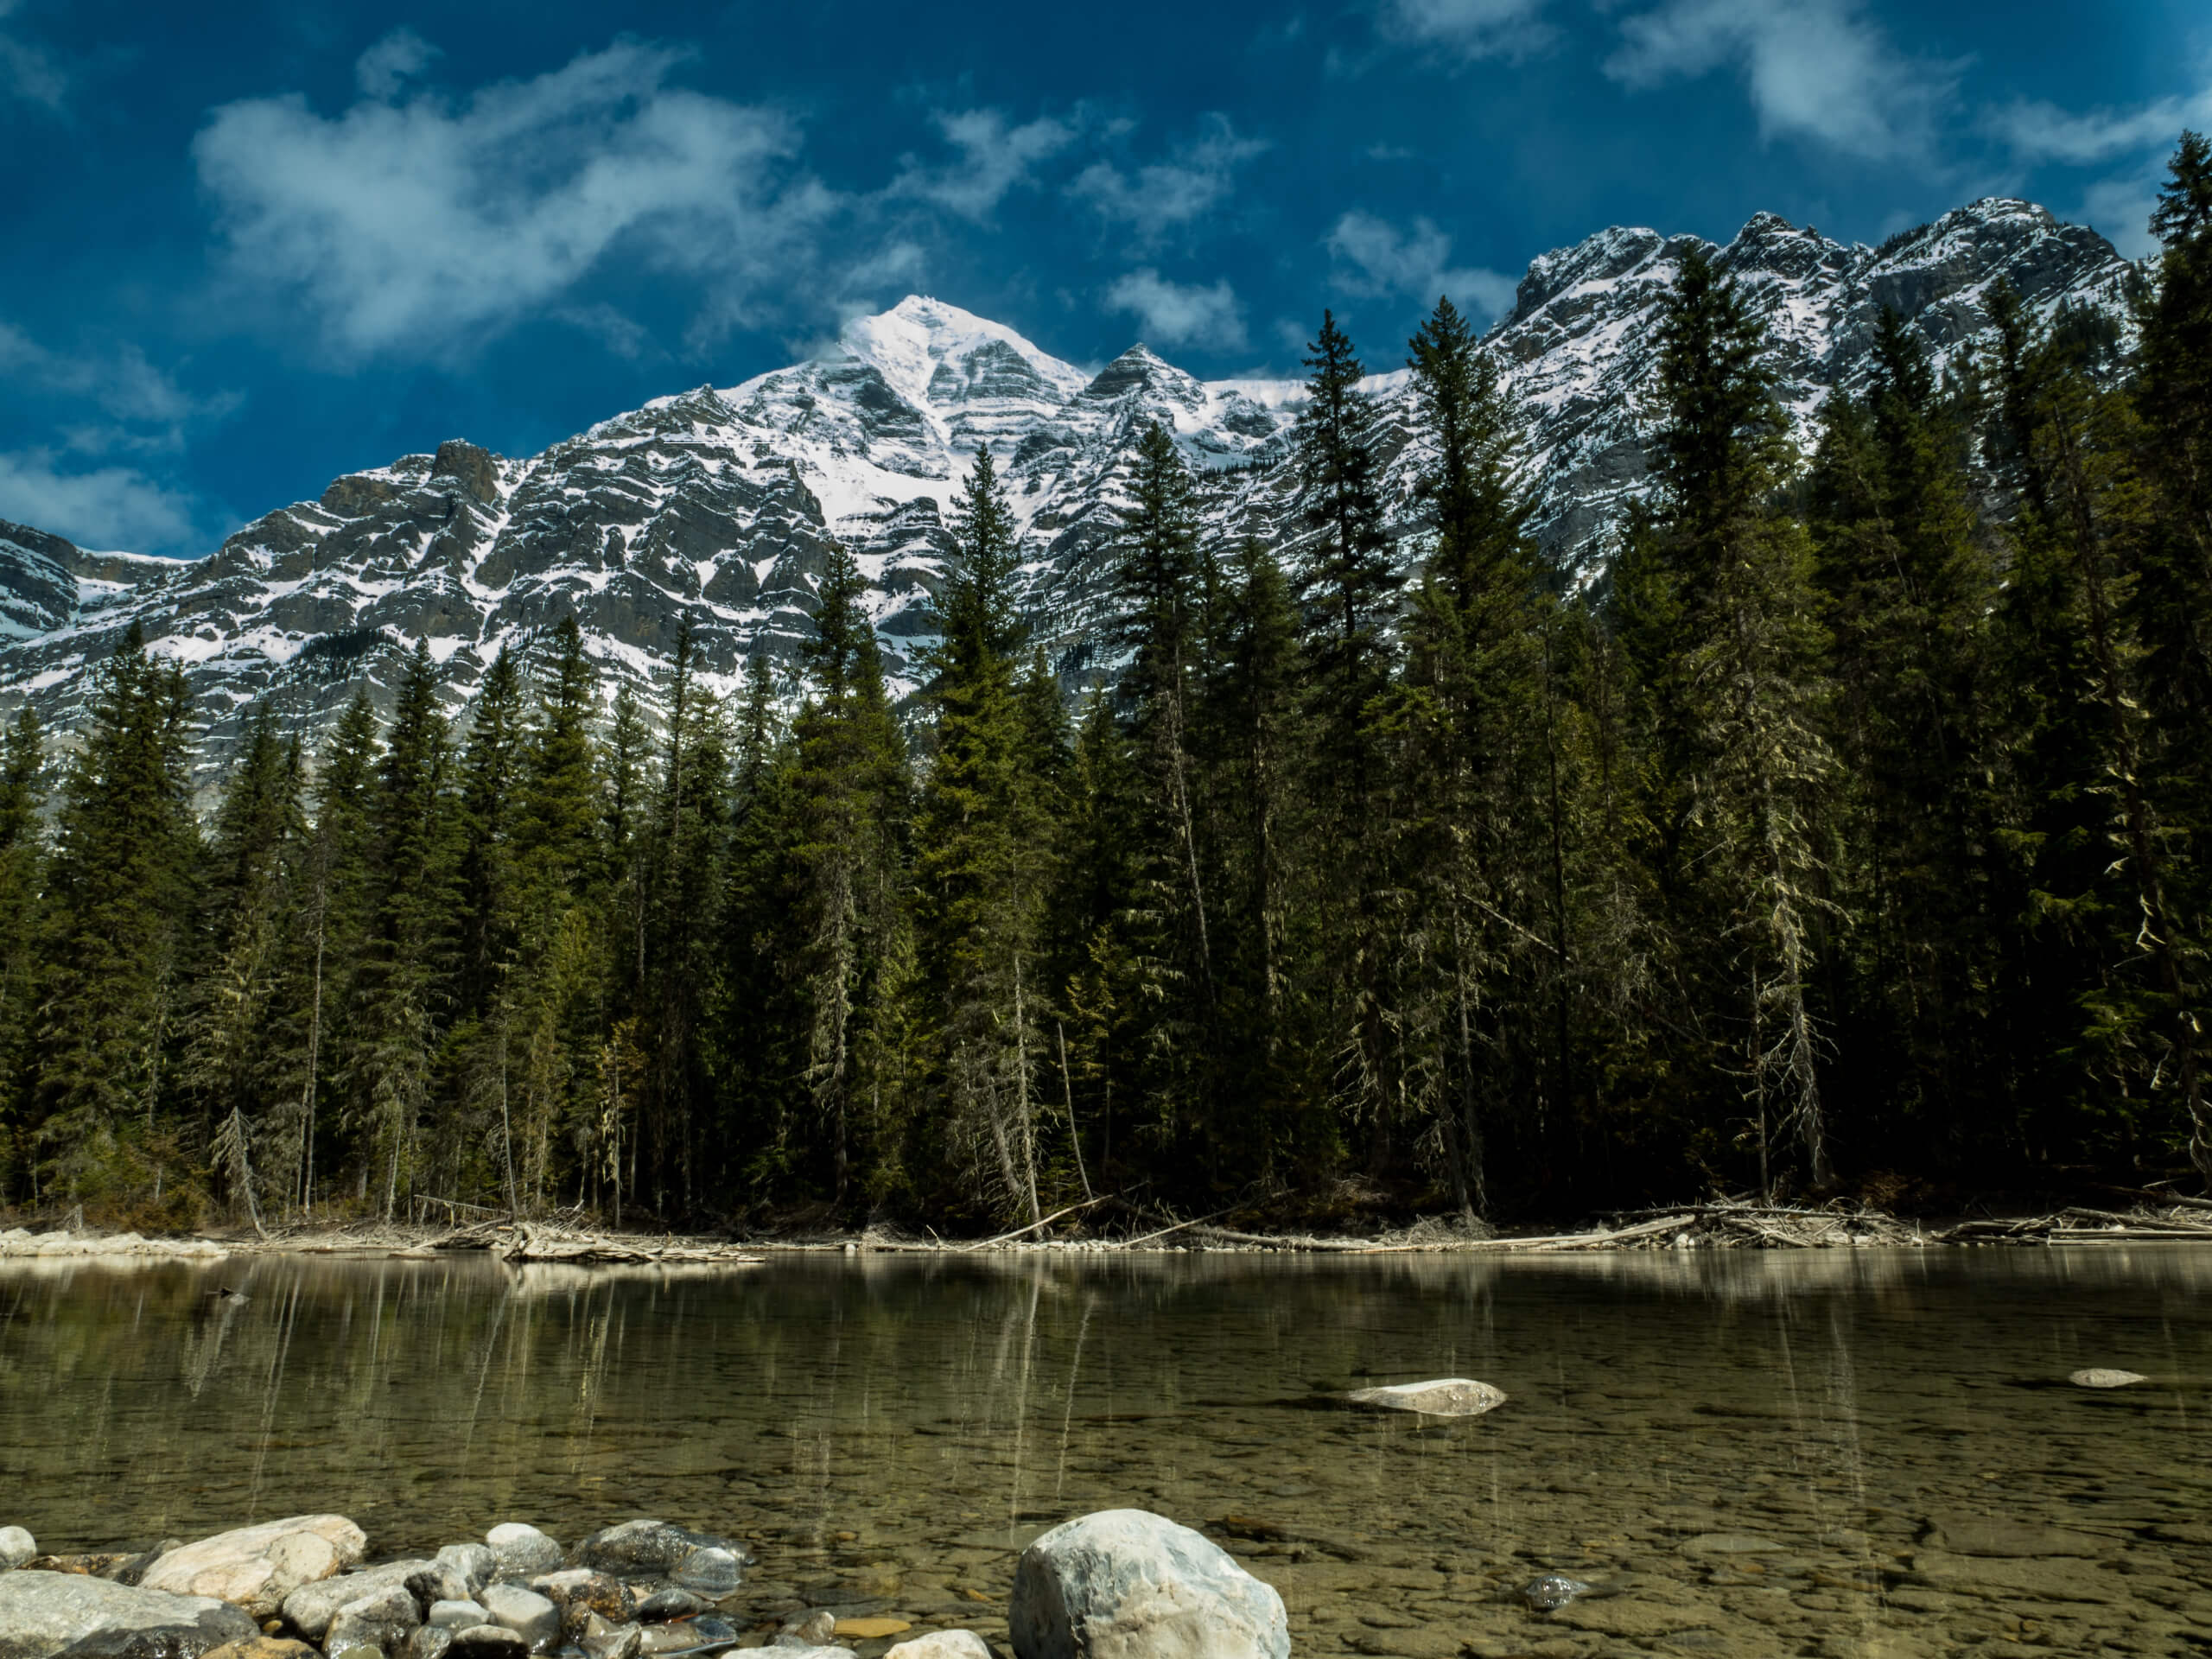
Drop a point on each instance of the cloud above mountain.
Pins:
(1374, 257)
(1180, 313)
(1815, 69)
(420, 223)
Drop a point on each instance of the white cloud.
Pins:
(1180, 313)
(393, 61)
(423, 227)
(1472, 28)
(2036, 132)
(27, 71)
(109, 508)
(149, 410)
(2119, 205)
(1375, 257)
(1814, 68)
(1197, 177)
(994, 159)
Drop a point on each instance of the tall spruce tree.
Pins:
(1714, 603)
(236, 1065)
(850, 791)
(23, 758)
(983, 855)
(118, 911)
(1909, 584)
(1349, 594)
(403, 982)
(1472, 903)
(1159, 584)
(327, 948)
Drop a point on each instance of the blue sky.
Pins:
(244, 248)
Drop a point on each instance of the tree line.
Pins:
(1848, 836)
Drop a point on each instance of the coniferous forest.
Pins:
(1853, 836)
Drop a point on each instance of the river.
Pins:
(1834, 1453)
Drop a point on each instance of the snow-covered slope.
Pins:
(720, 506)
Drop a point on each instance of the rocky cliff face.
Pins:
(720, 506)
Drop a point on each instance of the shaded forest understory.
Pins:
(1844, 841)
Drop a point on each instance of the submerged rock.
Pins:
(1999, 1536)
(456, 1615)
(1450, 1396)
(429, 1642)
(1552, 1591)
(522, 1552)
(16, 1547)
(255, 1568)
(708, 1633)
(41, 1613)
(2099, 1377)
(1126, 1582)
(808, 1630)
(712, 1565)
(605, 1641)
(670, 1603)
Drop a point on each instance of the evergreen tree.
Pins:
(1159, 589)
(1349, 594)
(234, 1059)
(328, 945)
(554, 991)
(1349, 584)
(849, 792)
(1716, 612)
(1257, 725)
(23, 758)
(1910, 586)
(403, 982)
(982, 858)
(490, 779)
(2110, 885)
(1470, 814)
(684, 916)
(119, 902)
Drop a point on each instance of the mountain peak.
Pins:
(917, 341)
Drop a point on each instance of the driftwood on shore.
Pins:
(1113, 1223)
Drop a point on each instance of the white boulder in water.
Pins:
(1450, 1396)
(16, 1547)
(255, 1568)
(1127, 1584)
(2099, 1377)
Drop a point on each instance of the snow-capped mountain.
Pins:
(721, 504)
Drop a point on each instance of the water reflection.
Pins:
(1744, 1453)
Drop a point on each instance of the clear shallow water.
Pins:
(1746, 1454)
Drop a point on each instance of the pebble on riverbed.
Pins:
(16, 1547)
(2100, 1376)
(1552, 1591)
(1450, 1396)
